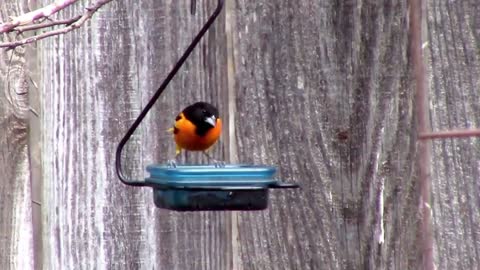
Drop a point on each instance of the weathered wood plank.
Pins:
(95, 81)
(324, 91)
(453, 33)
(16, 240)
(189, 240)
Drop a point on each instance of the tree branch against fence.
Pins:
(35, 20)
(425, 239)
(456, 133)
(425, 135)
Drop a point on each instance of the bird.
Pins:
(197, 128)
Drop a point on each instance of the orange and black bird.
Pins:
(197, 128)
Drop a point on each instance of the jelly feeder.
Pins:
(202, 187)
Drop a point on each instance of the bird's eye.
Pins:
(204, 112)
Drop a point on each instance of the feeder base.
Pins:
(189, 200)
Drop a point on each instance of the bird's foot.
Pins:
(219, 163)
(172, 163)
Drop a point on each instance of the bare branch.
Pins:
(35, 15)
(458, 133)
(46, 25)
(423, 160)
(72, 24)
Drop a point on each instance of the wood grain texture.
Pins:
(453, 36)
(95, 81)
(16, 244)
(324, 91)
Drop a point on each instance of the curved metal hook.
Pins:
(151, 102)
(193, 7)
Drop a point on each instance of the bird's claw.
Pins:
(219, 163)
(216, 163)
(171, 163)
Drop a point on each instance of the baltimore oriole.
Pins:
(197, 128)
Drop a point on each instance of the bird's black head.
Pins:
(203, 115)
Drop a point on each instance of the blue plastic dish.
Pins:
(206, 187)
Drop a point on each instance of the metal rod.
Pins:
(151, 102)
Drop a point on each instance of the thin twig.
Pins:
(66, 22)
(36, 202)
(35, 15)
(456, 133)
(423, 159)
(33, 111)
(89, 11)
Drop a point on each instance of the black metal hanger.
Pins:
(151, 102)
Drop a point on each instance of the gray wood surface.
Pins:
(97, 79)
(16, 242)
(323, 89)
(328, 87)
(454, 57)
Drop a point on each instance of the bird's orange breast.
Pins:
(186, 137)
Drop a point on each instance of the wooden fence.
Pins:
(323, 89)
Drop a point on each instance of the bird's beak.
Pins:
(212, 120)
